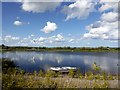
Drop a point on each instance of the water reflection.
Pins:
(30, 61)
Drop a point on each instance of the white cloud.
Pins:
(32, 40)
(108, 4)
(18, 23)
(32, 35)
(59, 38)
(79, 9)
(71, 40)
(9, 38)
(106, 28)
(39, 7)
(50, 27)
(106, 1)
(109, 17)
(41, 39)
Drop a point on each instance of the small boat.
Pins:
(63, 69)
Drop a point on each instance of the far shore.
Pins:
(59, 49)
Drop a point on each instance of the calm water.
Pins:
(30, 61)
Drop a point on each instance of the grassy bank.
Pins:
(14, 77)
(32, 81)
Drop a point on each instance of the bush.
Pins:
(104, 76)
(41, 74)
(80, 76)
(110, 77)
(71, 73)
(50, 73)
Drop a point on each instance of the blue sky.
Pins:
(75, 24)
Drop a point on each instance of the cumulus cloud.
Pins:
(9, 38)
(49, 40)
(39, 7)
(31, 40)
(59, 38)
(50, 27)
(106, 28)
(109, 17)
(40, 40)
(79, 9)
(109, 1)
(18, 23)
(108, 5)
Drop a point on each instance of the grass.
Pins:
(35, 81)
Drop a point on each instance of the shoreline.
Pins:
(3, 50)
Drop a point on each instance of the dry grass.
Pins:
(31, 81)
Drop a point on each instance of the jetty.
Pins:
(63, 69)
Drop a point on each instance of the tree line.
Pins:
(67, 48)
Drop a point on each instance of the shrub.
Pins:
(80, 76)
(71, 73)
(104, 75)
(96, 68)
(40, 73)
(78, 73)
(110, 77)
(50, 73)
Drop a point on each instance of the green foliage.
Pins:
(71, 73)
(78, 73)
(50, 73)
(89, 75)
(41, 74)
(104, 75)
(58, 74)
(110, 77)
(8, 82)
(81, 76)
(7, 65)
(90, 49)
(105, 84)
(35, 73)
(22, 72)
(96, 68)
(97, 76)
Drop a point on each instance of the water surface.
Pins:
(33, 60)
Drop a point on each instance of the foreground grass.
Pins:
(14, 78)
(33, 81)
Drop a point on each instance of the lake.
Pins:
(34, 60)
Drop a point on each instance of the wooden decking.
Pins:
(63, 69)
